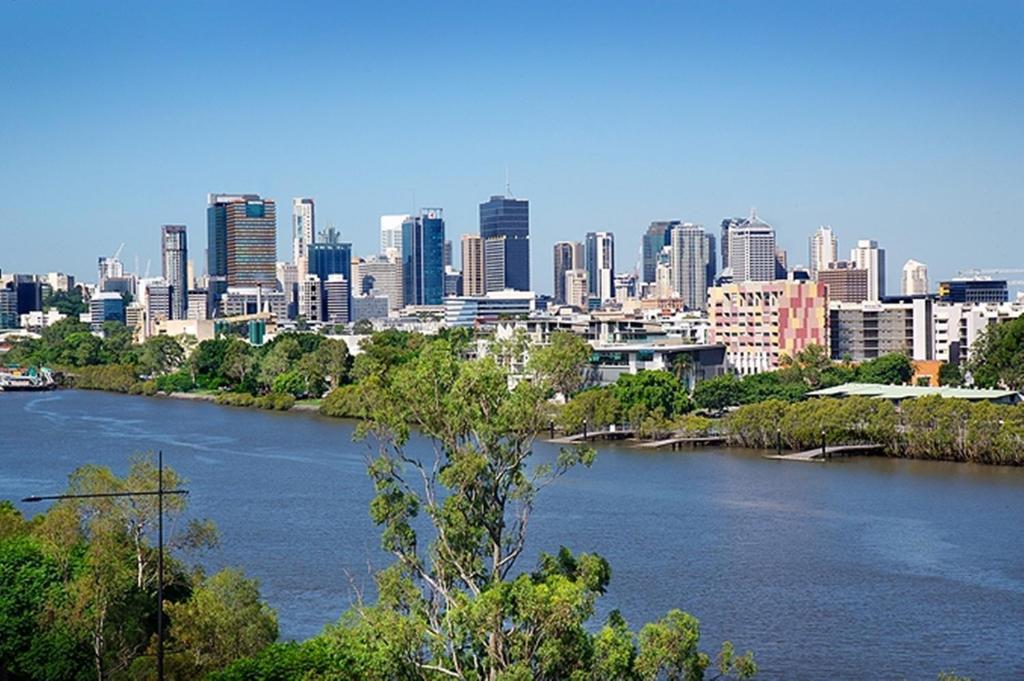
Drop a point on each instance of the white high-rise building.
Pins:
(288, 282)
(690, 257)
(824, 249)
(915, 279)
(303, 232)
(391, 235)
(868, 256)
(311, 298)
(336, 295)
(663, 275)
(752, 250)
(600, 257)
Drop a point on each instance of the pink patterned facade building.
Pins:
(760, 321)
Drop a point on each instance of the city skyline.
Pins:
(907, 143)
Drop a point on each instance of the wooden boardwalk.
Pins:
(684, 440)
(816, 455)
(618, 434)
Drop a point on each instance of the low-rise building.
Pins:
(489, 308)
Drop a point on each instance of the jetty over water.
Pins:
(821, 455)
(684, 441)
(607, 434)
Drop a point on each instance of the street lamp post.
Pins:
(159, 494)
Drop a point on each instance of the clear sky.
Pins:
(898, 121)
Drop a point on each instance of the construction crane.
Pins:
(117, 253)
(998, 271)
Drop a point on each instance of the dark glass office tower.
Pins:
(658, 235)
(509, 218)
(332, 257)
(217, 244)
(423, 258)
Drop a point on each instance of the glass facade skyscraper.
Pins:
(217, 243)
(658, 235)
(506, 218)
(423, 258)
(174, 257)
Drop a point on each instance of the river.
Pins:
(867, 568)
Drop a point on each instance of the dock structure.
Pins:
(821, 455)
(684, 441)
(617, 434)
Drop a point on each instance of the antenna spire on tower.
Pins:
(508, 182)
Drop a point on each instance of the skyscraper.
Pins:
(174, 258)
(303, 230)
(391, 235)
(380, 277)
(423, 258)
(252, 243)
(600, 265)
(447, 253)
(915, 278)
(509, 218)
(691, 253)
(751, 250)
(473, 265)
(576, 288)
(822, 249)
(658, 235)
(868, 256)
(727, 225)
(568, 256)
(217, 242)
(494, 264)
(329, 257)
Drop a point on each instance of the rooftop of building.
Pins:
(902, 392)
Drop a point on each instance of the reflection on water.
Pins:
(868, 568)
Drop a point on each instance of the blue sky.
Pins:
(898, 121)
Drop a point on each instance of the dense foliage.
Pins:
(78, 588)
(810, 369)
(923, 428)
(298, 365)
(457, 605)
(997, 357)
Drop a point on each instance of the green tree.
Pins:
(118, 344)
(81, 349)
(66, 302)
(160, 355)
(892, 369)
(715, 394)
(652, 390)
(279, 358)
(951, 375)
(562, 362)
(459, 606)
(597, 407)
(997, 356)
(291, 383)
(223, 620)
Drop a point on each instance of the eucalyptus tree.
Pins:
(454, 506)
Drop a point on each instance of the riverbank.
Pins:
(927, 428)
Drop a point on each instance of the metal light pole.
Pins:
(159, 494)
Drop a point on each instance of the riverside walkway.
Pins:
(820, 455)
(617, 434)
(684, 440)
